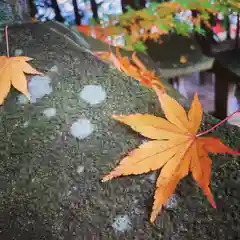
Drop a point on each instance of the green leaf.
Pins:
(152, 7)
(139, 47)
(145, 14)
(199, 30)
(92, 21)
(162, 26)
(183, 28)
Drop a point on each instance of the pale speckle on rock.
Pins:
(93, 94)
(38, 87)
(172, 202)
(176, 237)
(18, 52)
(50, 112)
(80, 169)
(82, 128)
(22, 99)
(152, 177)
(138, 211)
(122, 223)
(54, 69)
(26, 124)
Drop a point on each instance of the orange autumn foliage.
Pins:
(134, 68)
(12, 71)
(175, 148)
(96, 32)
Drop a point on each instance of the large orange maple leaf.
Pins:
(12, 71)
(176, 148)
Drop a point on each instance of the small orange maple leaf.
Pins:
(110, 58)
(12, 71)
(176, 149)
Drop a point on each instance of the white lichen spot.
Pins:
(172, 202)
(38, 87)
(93, 94)
(54, 69)
(22, 99)
(80, 169)
(49, 112)
(82, 128)
(18, 52)
(122, 223)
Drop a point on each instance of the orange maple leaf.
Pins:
(12, 71)
(135, 69)
(176, 149)
(110, 58)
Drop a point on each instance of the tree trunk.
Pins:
(78, 17)
(94, 7)
(137, 4)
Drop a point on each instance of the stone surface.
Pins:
(42, 194)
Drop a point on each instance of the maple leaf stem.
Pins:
(6, 37)
(218, 124)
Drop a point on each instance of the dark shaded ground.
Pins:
(43, 196)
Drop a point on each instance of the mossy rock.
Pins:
(51, 163)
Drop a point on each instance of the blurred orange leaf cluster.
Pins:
(134, 68)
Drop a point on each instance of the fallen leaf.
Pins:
(108, 57)
(12, 71)
(176, 149)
